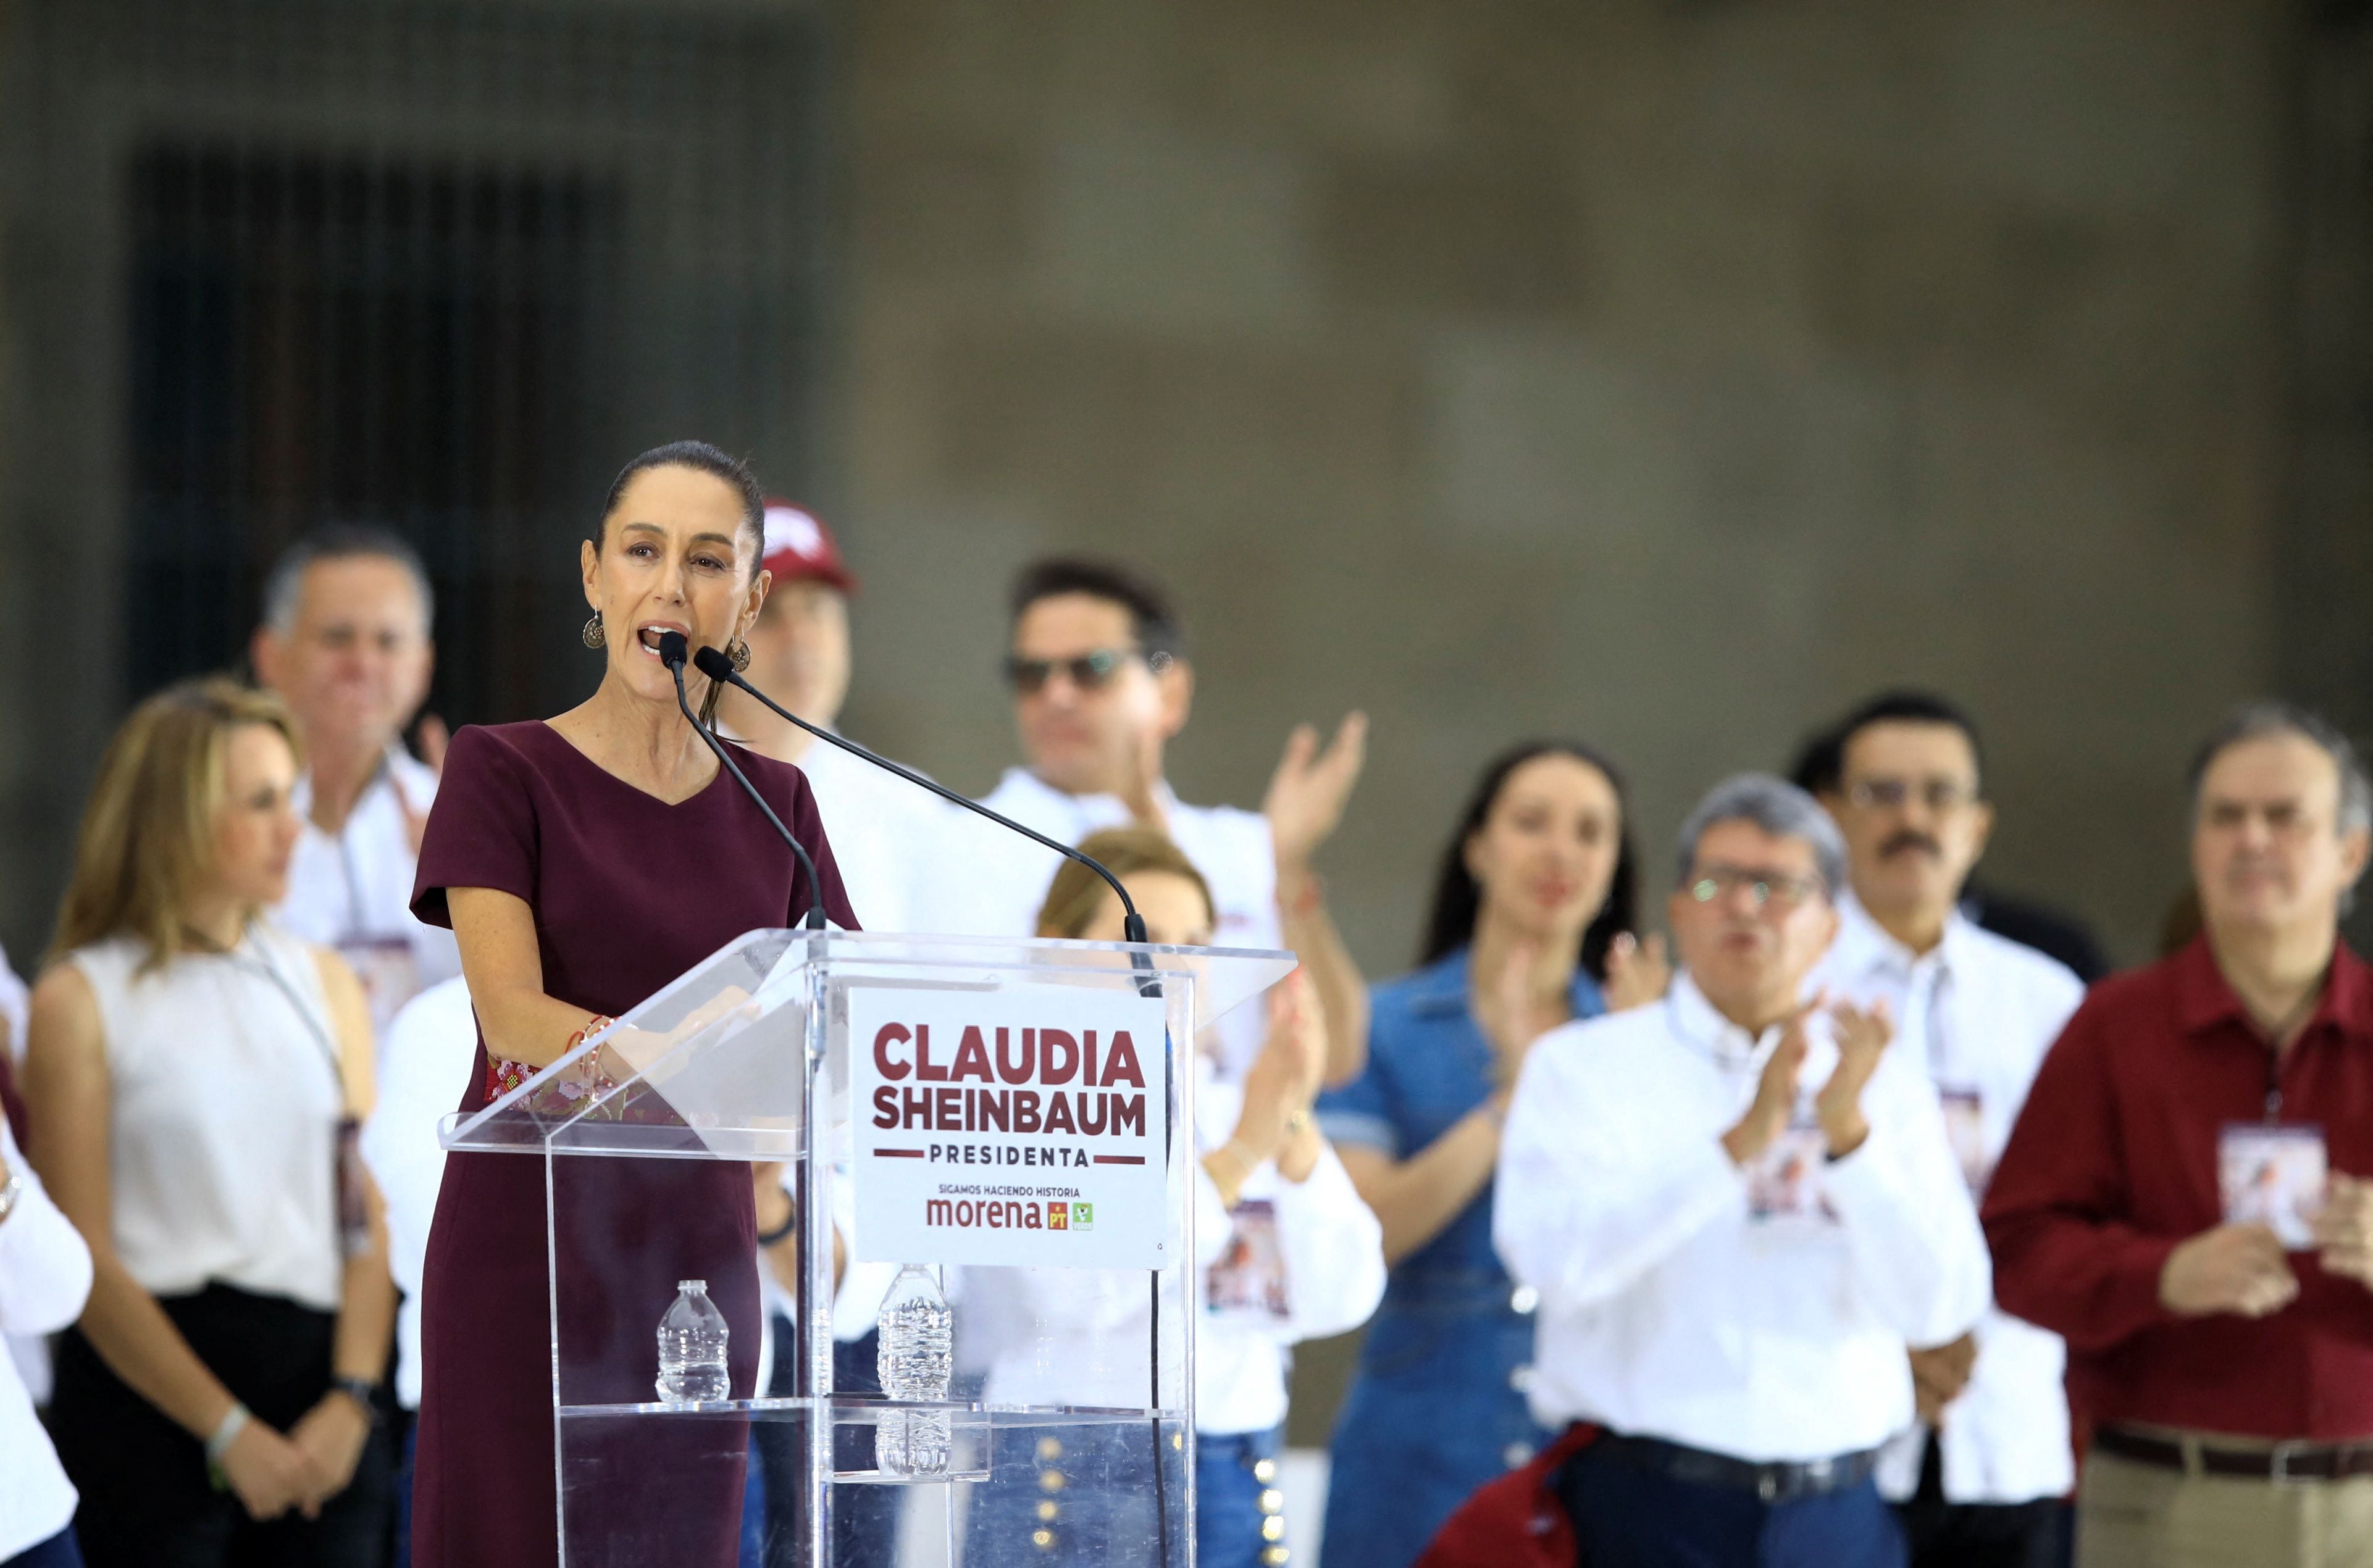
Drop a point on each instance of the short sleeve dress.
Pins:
(628, 892)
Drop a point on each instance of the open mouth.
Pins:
(648, 636)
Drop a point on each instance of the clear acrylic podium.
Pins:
(1017, 1117)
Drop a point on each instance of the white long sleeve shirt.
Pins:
(889, 838)
(1003, 876)
(1313, 1243)
(353, 890)
(1669, 1307)
(1976, 1013)
(45, 1280)
(424, 1067)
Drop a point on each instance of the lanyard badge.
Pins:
(2272, 1174)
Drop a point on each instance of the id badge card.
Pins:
(1965, 1133)
(2272, 1174)
(1785, 1182)
(1248, 1281)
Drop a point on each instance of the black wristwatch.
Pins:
(362, 1391)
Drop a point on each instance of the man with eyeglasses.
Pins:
(2186, 1195)
(1100, 686)
(1979, 1481)
(1738, 1207)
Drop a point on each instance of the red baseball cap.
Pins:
(799, 546)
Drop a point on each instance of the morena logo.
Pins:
(1008, 1213)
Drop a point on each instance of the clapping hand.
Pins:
(1638, 972)
(1861, 1038)
(1311, 787)
(1774, 1105)
(1283, 1079)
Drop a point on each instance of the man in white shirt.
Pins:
(1100, 686)
(888, 839)
(1738, 1207)
(344, 642)
(888, 835)
(1979, 1481)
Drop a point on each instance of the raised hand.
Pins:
(2344, 1229)
(1514, 1016)
(1637, 972)
(1775, 1093)
(2236, 1269)
(1310, 789)
(1141, 782)
(1283, 1079)
(1862, 1039)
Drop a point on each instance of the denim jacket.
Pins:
(1437, 1407)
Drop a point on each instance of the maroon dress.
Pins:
(628, 893)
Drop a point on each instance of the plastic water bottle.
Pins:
(916, 1356)
(692, 1348)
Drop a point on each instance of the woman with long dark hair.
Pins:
(1531, 926)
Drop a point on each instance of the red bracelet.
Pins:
(1314, 893)
(594, 1025)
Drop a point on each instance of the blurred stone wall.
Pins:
(1668, 374)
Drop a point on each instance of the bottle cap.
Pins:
(691, 1284)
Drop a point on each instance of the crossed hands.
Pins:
(271, 1473)
(2244, 1270)
(1939, 1376)
(1862, 1041)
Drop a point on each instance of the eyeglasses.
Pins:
(1939, 796)
(1091, 671)
(1775, 890)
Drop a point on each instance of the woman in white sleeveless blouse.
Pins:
(193, 1076)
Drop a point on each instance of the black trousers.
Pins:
(1979, 1535)
(148, 1498)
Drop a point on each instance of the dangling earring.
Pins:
(741, 657)
(594, 636)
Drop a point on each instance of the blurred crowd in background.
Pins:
(1785, 1194)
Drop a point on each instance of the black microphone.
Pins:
(673, 651)
(717, 667)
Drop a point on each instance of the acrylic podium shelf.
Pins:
(746, 1058)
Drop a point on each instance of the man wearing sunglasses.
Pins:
(1737, 1206)
(1980, 1480)
(1100, 686)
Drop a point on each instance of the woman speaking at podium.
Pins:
(583, 862)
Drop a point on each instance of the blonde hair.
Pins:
(147, 834)
(1078, 893)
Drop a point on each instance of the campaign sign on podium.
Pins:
(1010, 1128)
(1013, 1117)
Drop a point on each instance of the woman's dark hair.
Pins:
(1458, 899)
(711, 460)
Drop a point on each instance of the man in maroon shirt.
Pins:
(2164, 1201)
